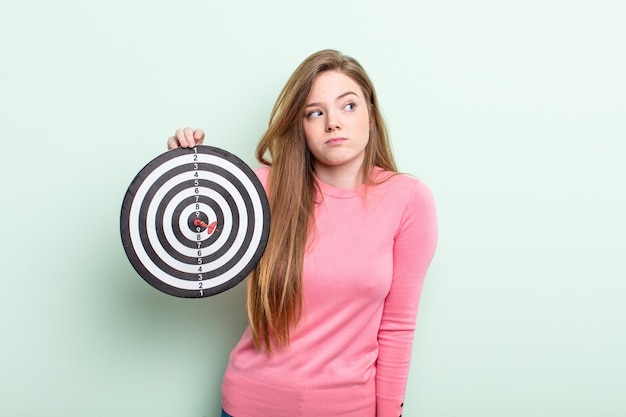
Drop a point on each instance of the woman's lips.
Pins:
(335, 141)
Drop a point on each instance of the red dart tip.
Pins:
(197, 222)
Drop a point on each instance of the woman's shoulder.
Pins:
(410, 198)
(399, 181)
(263, 173)
(403, 191)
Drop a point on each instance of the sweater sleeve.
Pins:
(414, 248)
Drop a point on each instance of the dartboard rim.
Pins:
(125, 220)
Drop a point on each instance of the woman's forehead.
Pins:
(333, 85)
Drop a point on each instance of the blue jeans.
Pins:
(224, 414)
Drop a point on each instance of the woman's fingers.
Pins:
(186, 138)
(198, 135)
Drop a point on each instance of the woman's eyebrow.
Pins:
(347, 93)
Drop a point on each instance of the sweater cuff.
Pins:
(387, 407)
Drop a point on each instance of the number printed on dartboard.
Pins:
(202, 221)
(198, 221)
(195, 222)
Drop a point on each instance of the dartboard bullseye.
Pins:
(195, 222)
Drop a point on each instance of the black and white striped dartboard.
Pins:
(195, 222)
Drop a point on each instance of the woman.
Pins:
(333, 302)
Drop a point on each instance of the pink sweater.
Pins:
(363, 273)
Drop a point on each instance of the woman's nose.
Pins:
(332, 122)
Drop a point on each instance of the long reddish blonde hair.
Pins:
(275, 286)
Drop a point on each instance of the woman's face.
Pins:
(336, 123)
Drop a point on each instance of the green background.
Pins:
(512, 112)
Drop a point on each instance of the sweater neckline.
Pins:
(329, 190)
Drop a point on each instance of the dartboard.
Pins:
(195, 222)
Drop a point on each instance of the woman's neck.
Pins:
(339, 176)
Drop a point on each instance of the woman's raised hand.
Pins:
(185, 138)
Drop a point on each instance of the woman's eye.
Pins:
(349, 106)
(314, 114)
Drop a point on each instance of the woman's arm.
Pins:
(414, 247)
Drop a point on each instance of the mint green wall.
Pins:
(513, 113)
